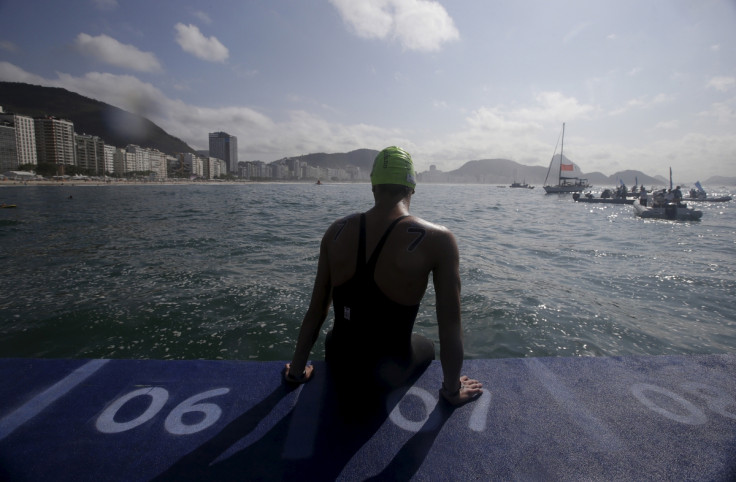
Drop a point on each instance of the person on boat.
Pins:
(677, 195)
(374, 268)
(643, 197)
(621, 191)
(658, 198)
(669, 198)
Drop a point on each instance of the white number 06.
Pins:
(174, 423)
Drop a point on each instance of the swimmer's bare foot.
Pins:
(468, 391)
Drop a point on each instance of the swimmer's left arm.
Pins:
(446, 280)
(456, 389)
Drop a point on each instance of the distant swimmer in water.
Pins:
(374, 268)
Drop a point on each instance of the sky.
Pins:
(639, 84)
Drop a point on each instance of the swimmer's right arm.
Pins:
(297, 371)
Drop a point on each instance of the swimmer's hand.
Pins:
(303, 378)
(468, 391)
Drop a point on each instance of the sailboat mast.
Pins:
(562, 150)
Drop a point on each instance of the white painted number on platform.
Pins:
(677, 408)
(175, 421)
(478, 417)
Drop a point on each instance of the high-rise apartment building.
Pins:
(55, 141)
(213, 167)
(141, 158)
(8, 155)
(110, 158)
(224, 146)
(90, 154)
(25, 137)
(122, 161)
(157, 161)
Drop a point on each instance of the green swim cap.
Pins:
(393, 165)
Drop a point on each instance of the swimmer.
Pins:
(374, 268)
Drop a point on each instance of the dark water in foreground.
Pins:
(225, 271)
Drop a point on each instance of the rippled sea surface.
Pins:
(226, 271)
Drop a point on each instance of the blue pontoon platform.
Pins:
(627, 418)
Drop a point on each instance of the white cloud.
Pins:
(8, 46)
(203, 17)
(421, 25)
(722, 112)
(260, 136)
(577, 30)
(642, 102)
(671, 124)
(107, 49)
(553, 107)
(243, 73)
(512, 133)
(193, 41)
(12, 73)
(662, 99)
(630, 104)
(722, 84)
(525, 133)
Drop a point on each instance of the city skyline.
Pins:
(43, 141)
(640, 86)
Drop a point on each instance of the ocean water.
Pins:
(215, 271)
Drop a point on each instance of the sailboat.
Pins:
(565, 184)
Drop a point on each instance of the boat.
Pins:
(588, 198)
(521, 185)
(721, 199)
(673, 211)
(6, 206)
(565, 184)
(700, 195)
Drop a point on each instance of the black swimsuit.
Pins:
(368, 325)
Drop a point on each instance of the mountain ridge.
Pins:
(115, 126)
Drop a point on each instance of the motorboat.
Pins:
(672, 211)
(605, 198)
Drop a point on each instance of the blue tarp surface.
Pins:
(614, 418)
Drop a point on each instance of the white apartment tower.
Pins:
(109, 158)
(55, 141)
(141, 158)
(158, 163)
(224, 146)
(25, 137)
(90, 153)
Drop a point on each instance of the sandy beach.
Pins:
(121, 182)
